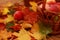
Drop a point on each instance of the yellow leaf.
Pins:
(5, 11)
(9, 19)
(34, 6)
(25, 35)
(35, 28)
(26, 25)
(22, 35)
(33, 3)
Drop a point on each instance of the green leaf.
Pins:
(45, 28)
(11, 12)
(8, 25)
(56, 18)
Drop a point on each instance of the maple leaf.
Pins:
(45, 28)
(8, 25)
(22, 35)
(32, 17)
(4, 34)
(9, 19)
(5, 11)
(26, 35)
(33, 5)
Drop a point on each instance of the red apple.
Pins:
(53, 7)
(18, 15)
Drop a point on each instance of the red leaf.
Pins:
(32, 17)
(16, 27)
(2, 26)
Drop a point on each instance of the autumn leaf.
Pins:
(5, 11)
(56, 18)
(11, 12)
(8, 25)
(4, 34)
(9, 19)
(45, 28)
(33, 6)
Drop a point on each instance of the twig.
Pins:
(44, 4)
